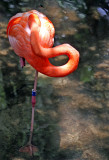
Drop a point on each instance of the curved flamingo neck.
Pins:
(46, 53)
(69, 67)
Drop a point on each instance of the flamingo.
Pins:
(31, 35)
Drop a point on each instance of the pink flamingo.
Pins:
(31, 35)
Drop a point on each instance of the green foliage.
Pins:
(86, 74)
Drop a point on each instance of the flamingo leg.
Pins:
(29, 148)
(33, 106)
(22, 62)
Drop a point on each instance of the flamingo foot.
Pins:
(29, 148)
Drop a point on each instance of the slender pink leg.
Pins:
(22, 62)
(33, 106)
(29, 148)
